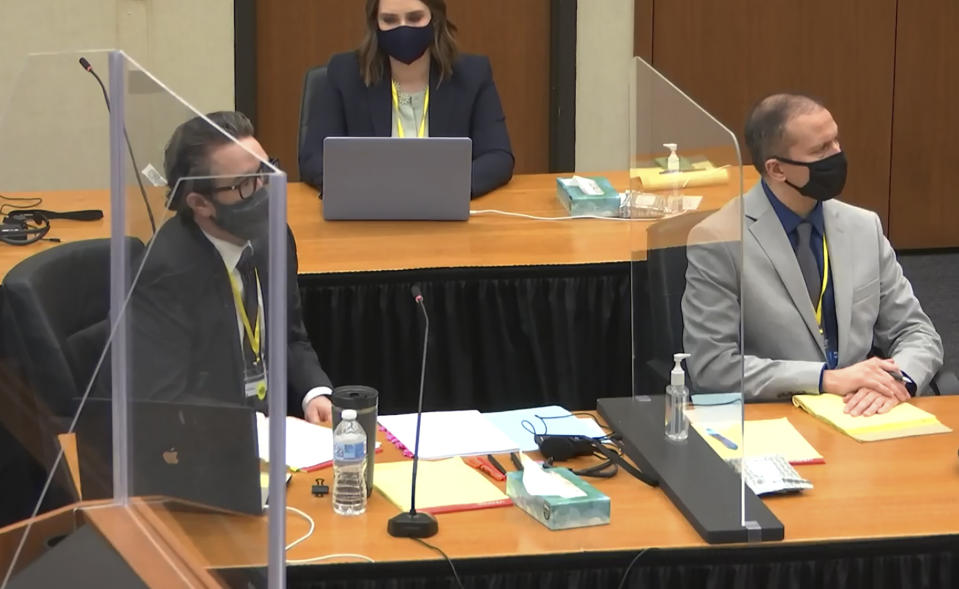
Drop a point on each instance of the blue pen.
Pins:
(725, 441)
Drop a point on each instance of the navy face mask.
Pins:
(406, 44)
(827, 176)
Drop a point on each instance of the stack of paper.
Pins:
(308, 446)
(442, 486)
(901, 421)
(521, 424)
(762, 437)
(447, 433)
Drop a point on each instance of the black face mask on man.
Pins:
(247, 219)
(406, 44)
(827, 176)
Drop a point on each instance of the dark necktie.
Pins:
(251, 304)
(807, 262)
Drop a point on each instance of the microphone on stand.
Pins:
(413, 524)
(136, 172)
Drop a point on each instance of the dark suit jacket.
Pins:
(183, 324)
(465, 105)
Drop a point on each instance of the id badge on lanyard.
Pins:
(254, 379)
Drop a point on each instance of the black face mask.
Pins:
(827, 176)
(406, 44)
(247, 219)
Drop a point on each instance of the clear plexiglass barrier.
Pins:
(145, 336)
(685, 180)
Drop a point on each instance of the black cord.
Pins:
(622, 582)
(35, 201)
(456, 576)
(133, 159)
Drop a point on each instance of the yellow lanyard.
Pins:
(396, 108)
(825, 279)
(252, 333)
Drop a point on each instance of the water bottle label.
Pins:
(355, 451)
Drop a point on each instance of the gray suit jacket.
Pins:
(783, 351)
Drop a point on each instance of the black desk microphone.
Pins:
(413, 524)
(136, 170)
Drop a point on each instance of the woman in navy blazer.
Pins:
(411, 44)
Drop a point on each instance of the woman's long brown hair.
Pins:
(443, 51)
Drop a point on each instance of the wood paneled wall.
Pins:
(887, 69)
(924, 205)
(726, 55)
(294, 35)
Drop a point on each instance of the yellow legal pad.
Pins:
(704, 174)
(764, 436)
(442, 486)
(901, 421)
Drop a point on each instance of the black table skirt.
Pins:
(907, 563)
(500, 338)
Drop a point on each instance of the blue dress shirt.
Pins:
(790, 221)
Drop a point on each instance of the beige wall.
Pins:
(53, 123)
(604, 48)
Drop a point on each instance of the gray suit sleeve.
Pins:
(711, 330)
(903, 331)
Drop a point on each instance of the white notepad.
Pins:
(444, 434)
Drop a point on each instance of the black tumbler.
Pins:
(364, 400)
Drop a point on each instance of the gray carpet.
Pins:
(935, 279)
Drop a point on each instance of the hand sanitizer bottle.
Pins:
(677, 396)
(672, 162)
(674, 202)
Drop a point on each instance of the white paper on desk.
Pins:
(444, 434)
(543, 482)
(555, 420)
(306, 444)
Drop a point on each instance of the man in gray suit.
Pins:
(820, 285)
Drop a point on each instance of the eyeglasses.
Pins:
(247, 184)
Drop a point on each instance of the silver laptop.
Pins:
(386, 178)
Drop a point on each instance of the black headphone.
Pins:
(19, 228)
(562, 447)
(26, 226)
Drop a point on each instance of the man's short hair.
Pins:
(766, 125)
(188, 152)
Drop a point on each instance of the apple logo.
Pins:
(171, 456)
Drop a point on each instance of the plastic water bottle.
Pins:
(349, 465)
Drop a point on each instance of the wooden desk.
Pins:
(897, 488)
(352, 246)
(894, 489)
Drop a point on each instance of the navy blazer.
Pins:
(465, 105)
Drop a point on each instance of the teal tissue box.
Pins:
(558, 513)
(579, 203)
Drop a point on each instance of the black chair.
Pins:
(662, 328)
(56, 319)
(311, 83)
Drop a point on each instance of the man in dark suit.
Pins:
(197, 309)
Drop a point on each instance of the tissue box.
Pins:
(579, 203)
(558, 513)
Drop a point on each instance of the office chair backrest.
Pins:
(666, 272)
(312, 81)
(56, 317)
(666, 282)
